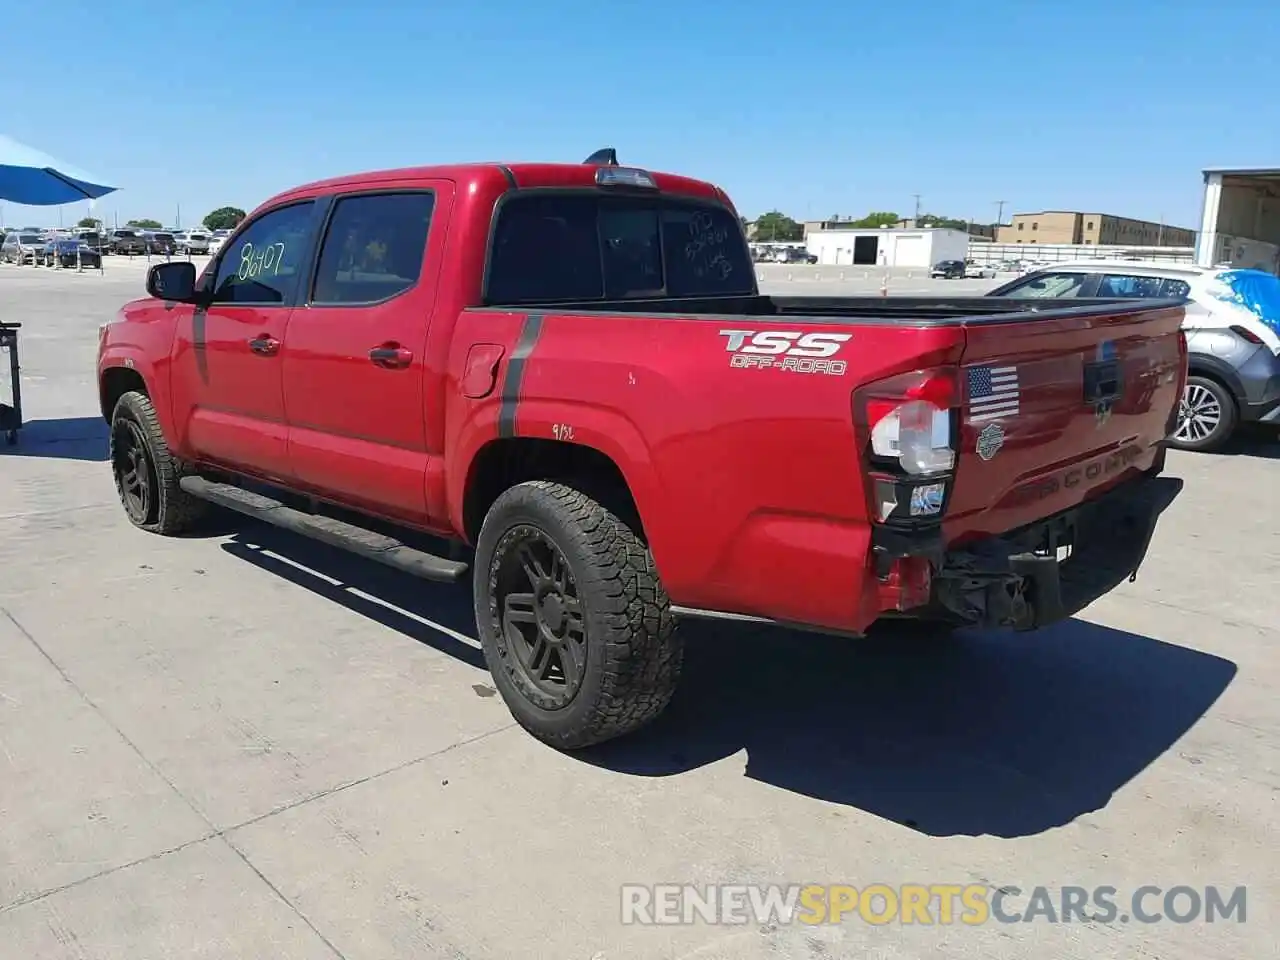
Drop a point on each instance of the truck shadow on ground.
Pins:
(66, 438)
(1253, 440)
(434, 614)
(978, 733)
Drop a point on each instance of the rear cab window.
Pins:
(550, 246)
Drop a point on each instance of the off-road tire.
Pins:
(633, 656)
(1230, 417)
(172, 510)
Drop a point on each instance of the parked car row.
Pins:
(69, 252)
(782, 254)
(164, 242)
(24, 248)
(966, 269)
(21, 247)
(28, 245)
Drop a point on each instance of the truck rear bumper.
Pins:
(1018, 579)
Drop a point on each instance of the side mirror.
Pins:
(174, 281)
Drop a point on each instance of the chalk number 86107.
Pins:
(255, 262)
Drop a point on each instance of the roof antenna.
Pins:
(608, 157)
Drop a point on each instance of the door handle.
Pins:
(391, 356)
(265, 345)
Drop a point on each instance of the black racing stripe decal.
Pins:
(525, 343)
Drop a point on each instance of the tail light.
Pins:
(1246, 334)
(908, 426)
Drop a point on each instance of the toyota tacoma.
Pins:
(568, 374)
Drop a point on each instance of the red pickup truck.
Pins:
(568, 374)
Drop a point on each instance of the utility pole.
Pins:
(1160, 233)
(1000, 212)
(917, 220)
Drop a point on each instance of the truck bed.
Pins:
(915, 311)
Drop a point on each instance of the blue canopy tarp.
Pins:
(35, 179)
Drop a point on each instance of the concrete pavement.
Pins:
(249, 746)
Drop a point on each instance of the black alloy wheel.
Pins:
(540, 617)
(135, 473)
(576, 628)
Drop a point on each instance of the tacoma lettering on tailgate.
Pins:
(1072, 477)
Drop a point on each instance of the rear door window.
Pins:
(1142, 288)
(584, 246)
(374, 248)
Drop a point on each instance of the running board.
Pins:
(336, 533)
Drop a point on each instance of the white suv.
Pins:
(192, 241)
(217, 239)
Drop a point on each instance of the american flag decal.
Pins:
(993, 393)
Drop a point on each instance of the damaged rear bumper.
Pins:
(1020, 580)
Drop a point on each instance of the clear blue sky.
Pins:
(829, 106)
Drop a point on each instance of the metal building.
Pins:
(1240, 218)
(887, 246)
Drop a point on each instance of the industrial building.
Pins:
(887, 246)
(1091, 229)
(978, 231)
(1240, 218)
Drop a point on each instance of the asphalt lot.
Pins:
(249, 746)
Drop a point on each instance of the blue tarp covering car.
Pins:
(1255, 290)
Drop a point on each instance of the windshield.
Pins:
(30, 239)
(1049, 285)
(591, 246)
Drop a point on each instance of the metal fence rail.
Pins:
(1057, 252)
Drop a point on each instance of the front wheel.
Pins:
(1207, 416)
(576, 628)
(146, 475)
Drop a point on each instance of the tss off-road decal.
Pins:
(790, 350)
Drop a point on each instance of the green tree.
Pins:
(224, 218)
(89, 223)
(776, 225)
(931, 220)
(877, 219)
(144, 224)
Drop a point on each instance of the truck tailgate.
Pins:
(1057, 409)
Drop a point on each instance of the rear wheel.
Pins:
(1207, 416)
(575, 625)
